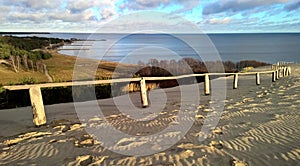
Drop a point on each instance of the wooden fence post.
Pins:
(257, 79)
(144, 93)
(285, 71)
(290, 70)
(274, 76)
(235, 81)
(277, 74)
(206, 84)
(39, 116)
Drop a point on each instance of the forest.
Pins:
(26, 52)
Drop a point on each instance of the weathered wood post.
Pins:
(257, 79)
(235, 81)
(277, 74)
(289, 70)
(282, 72)
(39, 116)
(144, 93)
(274, 76)
(286, 71)
(206, 84)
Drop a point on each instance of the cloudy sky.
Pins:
(211, 16)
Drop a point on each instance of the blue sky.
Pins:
(214, 16)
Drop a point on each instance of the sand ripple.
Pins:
(28, 152)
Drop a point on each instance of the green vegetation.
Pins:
(23, 57)
(192, 66)
(25, 53)
(27, 80)
(30, 43)
(20, 46)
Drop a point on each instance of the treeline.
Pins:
(6, 51)
(26, 52)
(155, 67)
(30, 43)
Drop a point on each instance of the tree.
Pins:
(12, 60)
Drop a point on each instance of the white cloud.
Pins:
(238, 5)
(3, 11)
(106, 8)
(89, 14)
(36, 17)
(107, 13)
(219, 21)
(152, 4)
(77, 6)
(34, 4)
(67, 16)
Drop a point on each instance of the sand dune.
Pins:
(259, 126)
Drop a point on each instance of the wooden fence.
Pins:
(39, 116)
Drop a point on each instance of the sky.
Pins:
(211, 16)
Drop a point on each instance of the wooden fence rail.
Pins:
(39, 116)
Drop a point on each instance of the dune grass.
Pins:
(61, 68)
(9, 77)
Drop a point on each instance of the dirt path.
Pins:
(47, 73)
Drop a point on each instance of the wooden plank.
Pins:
(39, 116)
(144, 93)
(75, 83)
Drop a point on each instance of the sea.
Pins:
(133, 48)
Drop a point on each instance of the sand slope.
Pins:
(259, 126)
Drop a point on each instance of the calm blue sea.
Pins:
(271, 47)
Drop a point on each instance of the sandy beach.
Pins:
(259, 126)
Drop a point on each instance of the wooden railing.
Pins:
(39, 116)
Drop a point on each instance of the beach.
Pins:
(258, 126)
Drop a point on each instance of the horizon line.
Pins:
(49, 32)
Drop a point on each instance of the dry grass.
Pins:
(8, 76)
(61, 67)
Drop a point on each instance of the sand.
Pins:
(259, 126)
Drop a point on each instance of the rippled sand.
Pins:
(259, 126)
